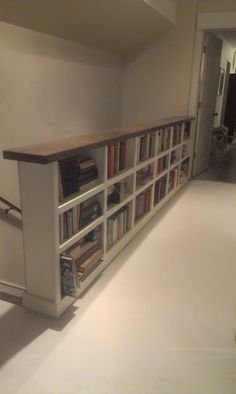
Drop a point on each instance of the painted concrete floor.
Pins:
(161, 319)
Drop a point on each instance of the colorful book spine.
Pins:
(117, 156)
(143, 203)
(117, 226)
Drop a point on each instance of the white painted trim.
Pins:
(11, 285)
(216, 20)
(46, 307)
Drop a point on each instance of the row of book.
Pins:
(146, 146)
(117, 193)
(177, 134)
(162, 164)
(160, 189)
(118, 225)
(76, 174)
(173, 179)
(77, 262)
(143, 204)
(73, 220)
(117, 158)
(163, 139)
(144, 175)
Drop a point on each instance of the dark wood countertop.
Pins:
(67, 147)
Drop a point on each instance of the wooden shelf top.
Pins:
(67, 147)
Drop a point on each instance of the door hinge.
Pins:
(199, 106)
(204, 49)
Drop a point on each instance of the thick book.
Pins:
(80, 248)
(86, 181)
(88, 264)
(88, 253)
(68, 276)
(93, 172)
(89, 163)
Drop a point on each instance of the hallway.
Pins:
(222, 166)
(160, 320)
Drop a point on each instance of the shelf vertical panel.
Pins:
(39, 201)
(191, 147)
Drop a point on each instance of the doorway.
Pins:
(215, 144)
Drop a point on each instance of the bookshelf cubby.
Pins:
(84, 198)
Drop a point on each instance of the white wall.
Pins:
(216, 5)
(49, 88)
(157, 83)
(226, 56)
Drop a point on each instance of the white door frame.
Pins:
(206, 22)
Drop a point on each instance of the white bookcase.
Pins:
(159, 171)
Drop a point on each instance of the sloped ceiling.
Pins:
(117, 26)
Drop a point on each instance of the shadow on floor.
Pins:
(20, 327)
(222, 166)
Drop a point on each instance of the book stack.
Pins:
(160, 189)
(76, 174)
(117, 193)
(177, 134)
(69, 223)
(163, 139)
(117, 158)
(173, 179)
(146, 146)
(117, 225)
(87, 173)
(144, 175)
(143, 204)
(162, 164)
(79, 261)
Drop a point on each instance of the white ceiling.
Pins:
(229, 36)
(117, 26)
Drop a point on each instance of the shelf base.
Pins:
(44, 306)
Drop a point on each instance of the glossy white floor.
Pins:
(161, 319)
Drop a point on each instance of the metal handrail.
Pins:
(11, 207)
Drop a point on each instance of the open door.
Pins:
(207, 101)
